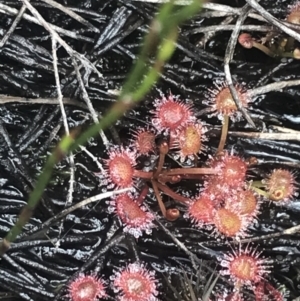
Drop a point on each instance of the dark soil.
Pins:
(91, 240)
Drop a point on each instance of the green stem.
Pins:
(260, 192)
(34, 197)
(257, 184)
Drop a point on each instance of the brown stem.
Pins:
(246, 40)
(290, 44)
(163, 150)
(143, 194)
(264, 49)
(223, 134)
(168, 191)
(143, 174)
(158, 197)
(281, 48)
(294, 54)
(192, 177)
(190, 171)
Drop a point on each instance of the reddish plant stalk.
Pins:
(163, 150)
(159, 199)
(168, 191)
(223, 134)
(190, 171)
(143, 174)
(143, 194)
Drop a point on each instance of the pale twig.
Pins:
(88, 102)
(13, 26)
(228, 58)
(178, 2)
(72, 14)
(99, 165)
(289, 231)
(273, 87)
(5, 99)
(266, 77)
(219, 14)
(222, 27)
(58, 89)
(7, 10)
(210, 34)
(268, 136)
(283, 130)
(211, 6)
(214, 6)
(67, 211)
(66, 126)
(230, 10)
(54, 34)
(225, 8)
(181, 245)
(220, 7)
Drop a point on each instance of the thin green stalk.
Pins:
(257, 184)
(36, 194)
(260, 192)
(160, 41)
(151, 42)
